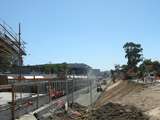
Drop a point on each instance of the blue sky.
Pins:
(84, 31)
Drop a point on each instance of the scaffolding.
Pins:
(10, 44)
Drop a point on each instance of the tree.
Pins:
(156, 66)
(145, 67)
(117, 68)
(133, 54)
(149, 66)
(124, 68)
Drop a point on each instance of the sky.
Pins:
(84, 31)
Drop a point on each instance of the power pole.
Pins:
(20, 58)
(20, 52)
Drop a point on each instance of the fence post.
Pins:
(49, 90)
(72, 91)
(91, 101)
(66, 90)
(37, 95)
(13, 102)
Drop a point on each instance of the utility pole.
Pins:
(20, 59)
(20, 52)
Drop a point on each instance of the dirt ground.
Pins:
(123, 100)
(109, 111)
(145, 98)
(115, 111)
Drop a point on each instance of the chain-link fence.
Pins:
(26, 97)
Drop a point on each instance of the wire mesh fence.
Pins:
(30, 96)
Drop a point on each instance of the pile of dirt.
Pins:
(118, 90)
(78, 107)
(109, 111)
(114, 111)
(145, 97)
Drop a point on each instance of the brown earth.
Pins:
(129, 93)
(109, 111)
(114, 111)
(118, 91)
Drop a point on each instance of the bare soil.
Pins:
(114, 111)
(144, 98)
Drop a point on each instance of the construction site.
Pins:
(88, 76)
(44, 97)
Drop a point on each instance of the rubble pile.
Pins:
(114, 111)
(82, 110)
(78, 107)
(109, 111)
